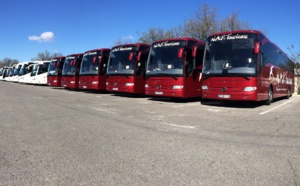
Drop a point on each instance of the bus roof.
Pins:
(78, 54)
(59, 57)
(236, 32)
(40, 62)
(99, 49)
(131, 44)
(176, 39)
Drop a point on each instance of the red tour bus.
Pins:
(70, 71)
(245, 66)
(174, 68)
(55, 71)
(126, 68)
(92, 74)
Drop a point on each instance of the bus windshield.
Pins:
(9, 72)
(43, 68)
(69, 66)
(34, 70)
(53, 67)
(230, 54)
(16, 70)
(89, 64)
(163, 59)
(23, 70)
(119, 62)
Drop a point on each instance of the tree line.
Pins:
(203, 22)
(41, 56)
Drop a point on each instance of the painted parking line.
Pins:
(110, 111)
(213, 110)
(178, 126)
(265, 112)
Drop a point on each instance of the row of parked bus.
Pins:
(31, 72)
(238, 65)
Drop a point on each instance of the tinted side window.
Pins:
(270, 53)
(191, 43)
(199, 56)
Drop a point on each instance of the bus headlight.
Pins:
(204, 87)
(129, 84)
(177, 87)
(94, 82)
(249, 89)
(146, 86)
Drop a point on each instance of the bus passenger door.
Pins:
(262, 81)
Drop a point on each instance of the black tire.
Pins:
(204, 101)
(289, 93)
(270, 97)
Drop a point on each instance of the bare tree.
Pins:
(153, 34)
(8, 62)
(202, 23)
(295, 58)
(232, 22)
(45, 56)
(121, 41)
(174, 32)
(294, 55)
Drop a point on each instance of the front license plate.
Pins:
(159, 93)
(115, 89)
(223, 96)
(84, 86)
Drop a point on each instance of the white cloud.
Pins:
(130, 37)
(44, 37)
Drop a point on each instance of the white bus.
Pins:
(10, 73)
(40, 72)
(27, 77)
(25, 71)
(3, 72)
(15, 77)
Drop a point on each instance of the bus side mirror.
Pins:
(256, 48)
(139, 56)
(195, 48)
(130, 57)
(180, 53)
(100, 59)
(94, 59)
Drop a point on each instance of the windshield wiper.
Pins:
(204, 77)
(161, 74)
(237, 75)
(247, 78)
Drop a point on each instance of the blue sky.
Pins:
(75, 26)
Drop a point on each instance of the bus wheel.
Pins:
(289, 93)
(270, 96)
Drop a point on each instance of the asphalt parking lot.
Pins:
(54, 136)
